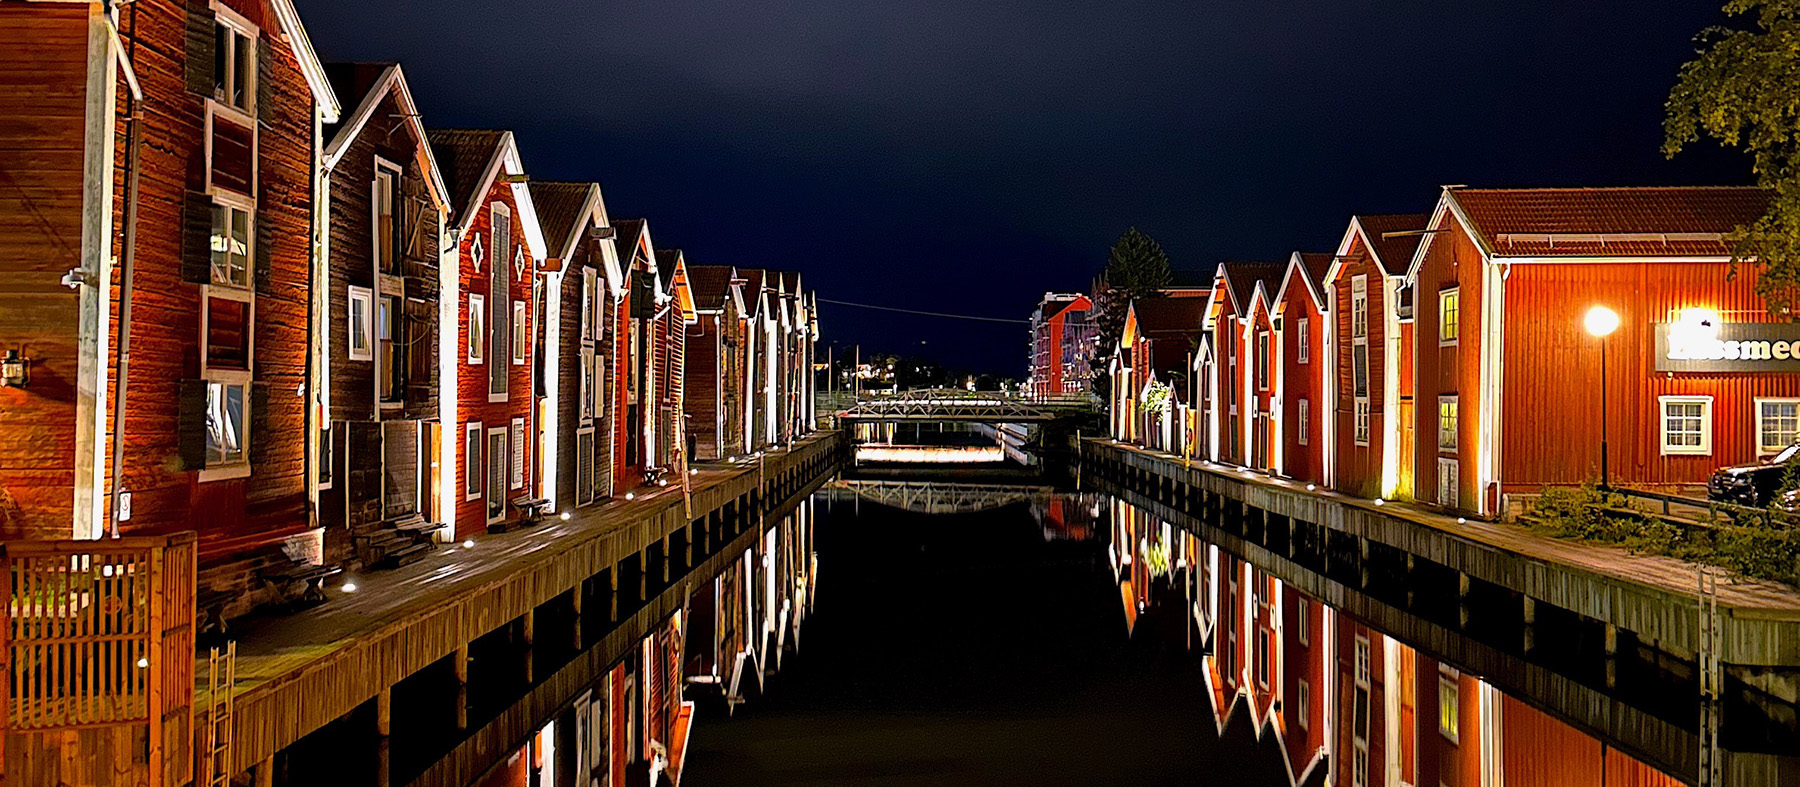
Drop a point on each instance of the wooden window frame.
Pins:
(1303, 415)
(1302, 622)
(207, 293)
(365, 328)
(1706, 425)
(1265, 354)
(1765, 449)
(1361, 421)
(1303, 352)
(474, 469)
(477, 329)
(1359, 306)
(1449, 482)
(224, 16)
(233, 201)
(516, 448)
(1449, 316)
(239, 468)
(384, 167)
(520, 333)
(487, 471)
(1303, 703)
(1449, 423)
(1449, 705)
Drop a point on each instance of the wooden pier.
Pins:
(298, 673)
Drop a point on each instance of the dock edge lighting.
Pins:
(1600, 321)
(15, 370)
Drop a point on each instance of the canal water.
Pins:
(981, 626)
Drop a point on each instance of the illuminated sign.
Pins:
(1714, 346)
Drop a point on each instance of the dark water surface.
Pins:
(976, 649)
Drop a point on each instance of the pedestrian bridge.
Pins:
(936, 497)
(951, 404)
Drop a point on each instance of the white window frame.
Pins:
(1304, 418)
(520, 334)
(1765, 449)
(1706, 425)
(1303, 353)
(1449, 482)
(240, 468)
(517, 449)
(1450, 704)
(488, 495)
(1302, 621)
(474, 470)
(1449, 423)
(223, 16)
(232, 202)
(1264, 353)
(1362, 417)
(1359, 306)
(1303, 703)
(207, 293)
(1449, 330)
(365, 328)
(477, 338)
(384, 167)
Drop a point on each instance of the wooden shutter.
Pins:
(190, 428)
(584, 469)
(265, 79)
(196, 238)
(261, 434)
(200, 45)
(265, 251)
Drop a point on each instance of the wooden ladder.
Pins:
(221, 675)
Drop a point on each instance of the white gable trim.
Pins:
(392, 79)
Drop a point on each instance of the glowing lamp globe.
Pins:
(1601, 321)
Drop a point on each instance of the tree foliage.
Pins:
(1743, 89)
(1136, 267)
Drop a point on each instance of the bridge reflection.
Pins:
(941, 497)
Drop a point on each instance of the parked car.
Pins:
(1751, 485)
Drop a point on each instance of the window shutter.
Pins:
(265, 250)
(196, 238)
(265, 80)
(200, 46)
(191, 425)
(259, 422)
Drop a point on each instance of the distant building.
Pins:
(1062, 343)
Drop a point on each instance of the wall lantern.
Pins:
(15, 370)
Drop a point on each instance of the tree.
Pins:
(1136, 267)
(1744, 90)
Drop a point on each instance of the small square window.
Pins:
(1777, 424)
(1686, 425)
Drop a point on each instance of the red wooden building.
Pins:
(580, 302)
(1299, 307)
(1155, 349)
(1240, 370)
(1699, 375)
(378, 362)
(674, 312)
(1364, 301)
(498, 245)
(712, 393)
(633, 423)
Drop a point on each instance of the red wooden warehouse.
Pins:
(1364, 301)
(1299, 306)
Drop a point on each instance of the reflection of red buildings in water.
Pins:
(1346, 704)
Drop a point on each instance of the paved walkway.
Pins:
(1748, 598)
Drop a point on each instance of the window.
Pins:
(472, 460)
(327, 456)
(227, 420)
(384, 207)
(1303, 353)
(588, 330)
(231, 238)
(496, 474)
(1359, 716)
(360, 330)
(1302, 621)
(234, 60)
(1449, 483)
(477, 328)
(1359, 307)
(519, 335)
(518, 453)
(1362, 662)
(1449, 308)
(1777, 424)
(500, 295)
(1447, 430)
(1359, 368)
(227, 320)
(1262, 361)
(1449, 704)
(1263, 657)
(1303, 703)
(1686, 424)
(586, 401)
(1305, 419)
(1362, 421)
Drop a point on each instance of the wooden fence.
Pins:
(97, 647)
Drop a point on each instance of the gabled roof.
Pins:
(568, 211)
(711, 285)
(471, 160)
(1308, 269)
(750, 289)
(1243, 278)
(1163, 317)
(672, 267)
(1389, 238)
(667, 261)
(630, 237)
(363, 86)
(1681, 221)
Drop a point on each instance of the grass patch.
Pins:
(1765, 545)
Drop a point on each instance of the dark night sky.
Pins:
(967, 156)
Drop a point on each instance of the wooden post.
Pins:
(643, 557)
(264, 773)
(575, 602)
(528, 627)
(460, 667)
(1462, 598)
(384, 712)
(1530, 626)
(668, 556)
(612, 576)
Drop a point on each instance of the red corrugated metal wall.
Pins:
(1551, 398)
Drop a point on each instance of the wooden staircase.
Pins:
(394, 543)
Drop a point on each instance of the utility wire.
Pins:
(926, 313)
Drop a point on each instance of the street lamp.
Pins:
(1600, 323)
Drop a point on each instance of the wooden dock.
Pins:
(298, 673)
(1650, 596)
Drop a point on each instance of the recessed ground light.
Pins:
(1310, 487)
(1379, 501)
(630, 496)
(349, 587)
(565, 516)
(1461, 521)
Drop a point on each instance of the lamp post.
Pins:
(1600, 323)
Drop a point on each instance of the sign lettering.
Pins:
(1731, 347)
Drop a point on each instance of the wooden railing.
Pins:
(98, 636)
